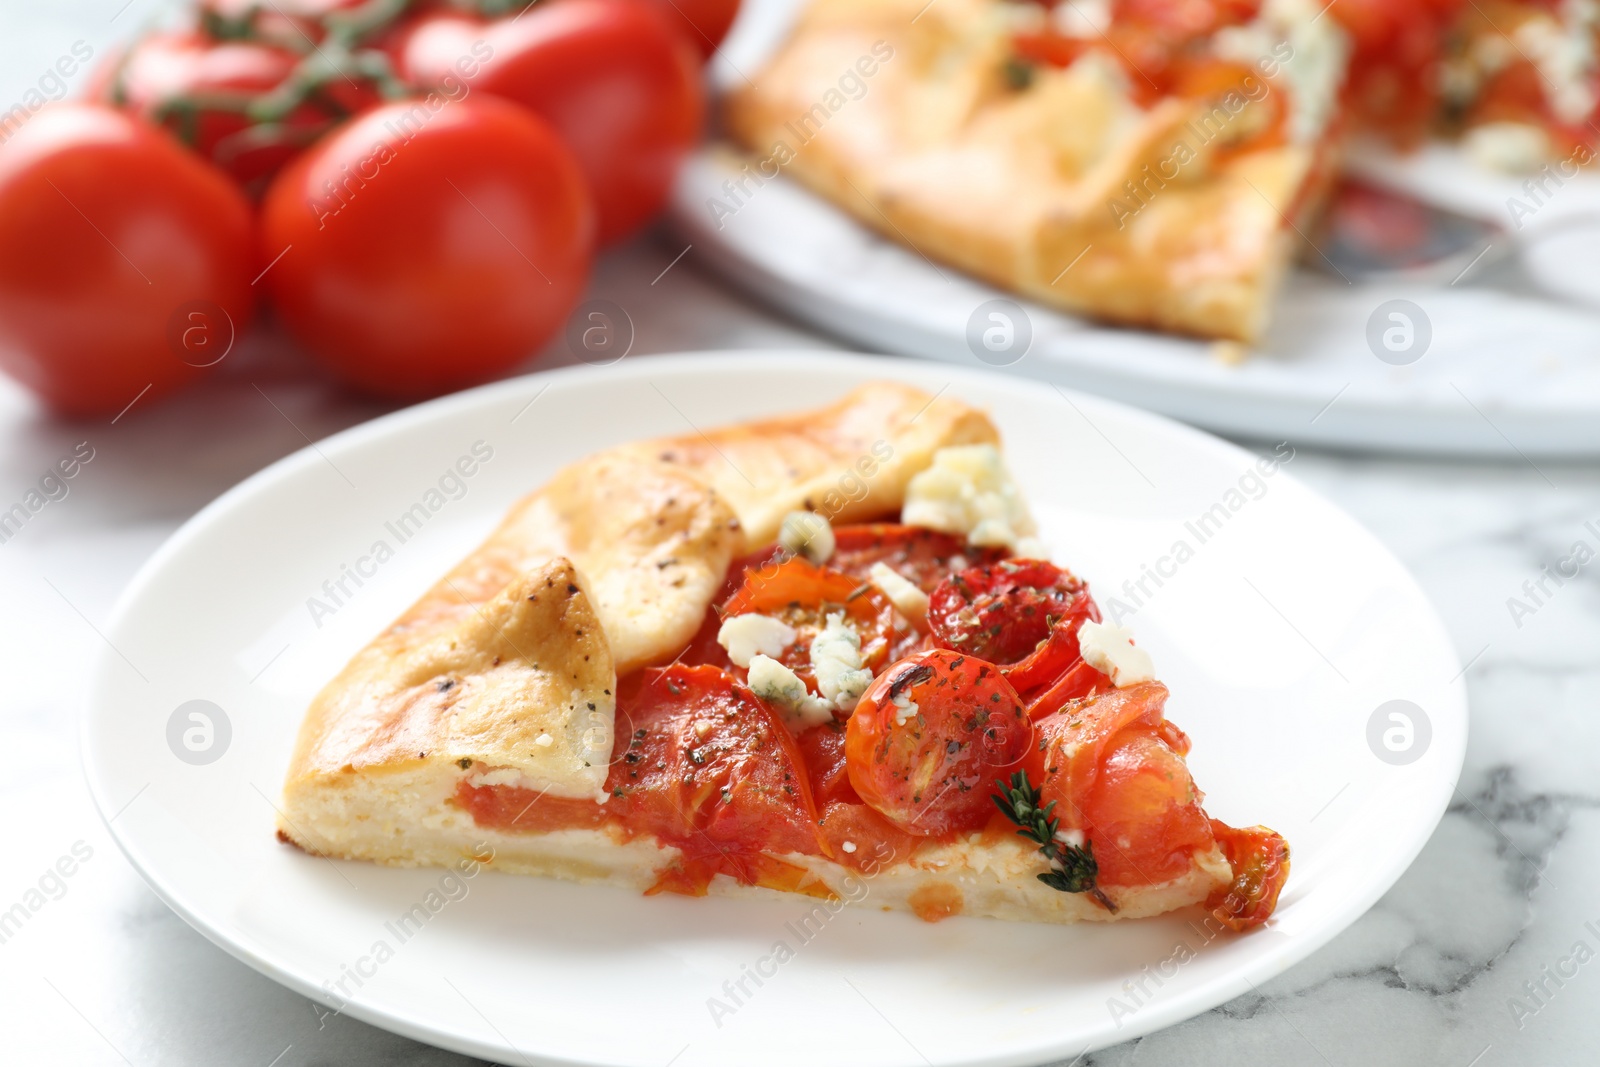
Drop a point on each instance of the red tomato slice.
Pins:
(1144, 812)
(925, 557)
(1113, 767)
(1073, 742)
(823, 750)
(1079, 681)
(803, 594)
(1004, 611)
(860, 837)
(514, 808)
(706, 766)
(929, 739)
(1260, 859)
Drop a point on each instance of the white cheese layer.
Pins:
(1110, 650)
(745, 636)
(968, 491)
(836, 664)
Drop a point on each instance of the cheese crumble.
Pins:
(907, 598)
(1110, 650)
(967, 490)
(836, 664)
(745, 636)
(805, 533)
(783, 689)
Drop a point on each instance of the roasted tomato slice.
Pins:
(1113, 767)
(1072, 744)
(1144, 812)
(707, 767)
(822, 747)
(803, 595)
(1260, 860)
(858, 835)
(929, 739)
(925, 557)
(1023, 614)
(1079, 681)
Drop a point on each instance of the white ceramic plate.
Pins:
(1281, 635)
(1501, 375)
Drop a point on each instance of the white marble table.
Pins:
(1482, 954)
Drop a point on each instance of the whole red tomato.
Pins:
(705, 22)
(222, 98)
(613, 77)
(116, 246)
(428, 244)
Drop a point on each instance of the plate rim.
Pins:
(1153, 1016)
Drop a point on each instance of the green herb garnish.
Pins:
(1072, 867)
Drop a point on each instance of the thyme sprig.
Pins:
(1072, 867)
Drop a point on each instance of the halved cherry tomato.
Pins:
(115, 244)
(931, 736)
(1073, 741)
(919, 555)
(859, 836)
(707, 767)
(615, 78)
(1260, 861)
(1113, 767)
(803, 595)
(1144, 812)
(426, 246)
(1003, 611)
(1021, 614)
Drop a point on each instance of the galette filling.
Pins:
(906, 689)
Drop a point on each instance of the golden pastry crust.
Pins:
(1056, 192)
(850, 460)
(523, 680)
